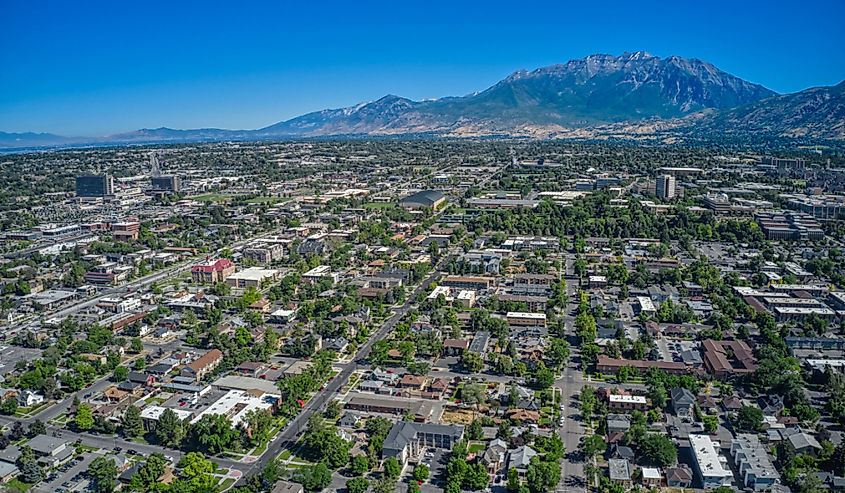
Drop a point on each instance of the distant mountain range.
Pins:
(633, 94)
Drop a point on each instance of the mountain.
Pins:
(634, 95)
(594, 90)
(818, 112)
(359, 119)
(31, 139)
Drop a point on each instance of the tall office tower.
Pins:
(94, 186)
(665, 188)
(168, 183)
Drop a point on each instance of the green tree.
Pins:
(103, 471)
(392, 469)
(213, 433)
(84, 419)
(198, 473)
(421, 472)
(133, 426)
(315, 477)
(37, 427)
(472, 362)
(749, 418)
(658, 449)
(9, 406)
(357, 485)
(359, 464)
(169, 431)
(513, 480)
(120, 374)
(542, 476)
(149, 474)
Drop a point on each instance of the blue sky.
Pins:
(96, 68)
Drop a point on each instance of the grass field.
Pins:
(378, 205)
(269, 200)
(211, 197)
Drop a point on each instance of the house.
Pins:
(407, 441)
(618, 423)
(250, 369)
(495, 455)
(348, 420)
(409, 381)
(617, 451)
(455, 347)
(771, 405)
(28, 398)
(51, 451)
(287, 487)
(619, 471)
(683, 402)
(678, 477)
(651, 476)
(203, 365)
(804, 443)
(8, 472)
(520, 458)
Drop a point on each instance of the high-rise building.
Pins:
(94, 186)
(169, 183)
(665, 187)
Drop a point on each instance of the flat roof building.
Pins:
(707, 462)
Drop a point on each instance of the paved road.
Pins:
(288, 437)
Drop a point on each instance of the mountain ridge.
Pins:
(581, 97)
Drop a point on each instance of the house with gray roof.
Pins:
(520, 458)
(619, 471)
(683, 402)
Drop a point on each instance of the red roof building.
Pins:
(212, 271)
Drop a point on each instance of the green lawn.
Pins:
(378, 205)
(16, 485)
(211, 197)
(268, 200)
(475, 448)
(227, 483)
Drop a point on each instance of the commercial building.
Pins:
(94, 186)
(319, 273)
(665, 187)
(707, 462)
(264, 253)
(523, 319)
(426, 199)
(212, 271)
(253, 277)
(406, 441)
(608, 365)
(236, 404)
(125, 231)
(467, 282)
(796, 226)
(150, 415)
(167, 184)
